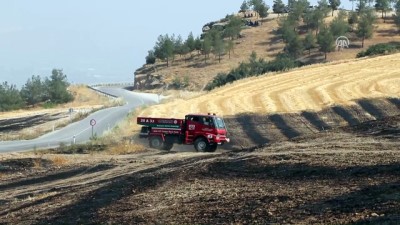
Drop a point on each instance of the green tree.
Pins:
(397, 17)
(353, 18)
(198, 44)
(206, 47)
(33, 91)
(190, 42)
(164, 48)
(294, 46)
(185, 51)
(233, 28)
(57, 87)
(10, 98)
(229, 46)
(309, 42)
(324, 6)
(244, 7)
(325, 40)
(334, 4)
(260, 7)
(178, 45)
(263, 10)
(314, 19)
(339, 25)
(218, 46)
(383, 6)
(365, 25)
(286, 28)
(150, 58)
(278, 7)
(361, 5)
(298, 8)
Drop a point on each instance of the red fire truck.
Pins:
(205, 132)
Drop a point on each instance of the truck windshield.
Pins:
(219, 123)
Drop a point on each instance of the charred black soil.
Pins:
(346, 175)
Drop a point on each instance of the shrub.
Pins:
(380, 49)
(179, 83)
(254, 67)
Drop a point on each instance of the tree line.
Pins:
(218, 40)
(303, 18)
(254, 67)
(53, 90)
(213, 41)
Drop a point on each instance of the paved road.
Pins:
(81, 131)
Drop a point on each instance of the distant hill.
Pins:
(263, 40)
(313, 87)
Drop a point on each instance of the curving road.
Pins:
(81, 131)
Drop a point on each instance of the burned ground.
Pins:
(343, 175)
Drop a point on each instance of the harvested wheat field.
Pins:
(309, 88)
(277, 107)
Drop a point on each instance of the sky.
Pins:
(94, 41)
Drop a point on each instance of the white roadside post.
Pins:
(92, 123)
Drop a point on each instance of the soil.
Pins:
(318, 144)
(348, 175)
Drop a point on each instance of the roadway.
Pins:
(81, 131)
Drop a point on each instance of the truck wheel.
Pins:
(156, 142)
(201, 145)
(212, 148)
(167, 146)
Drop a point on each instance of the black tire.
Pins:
(156, 142)
(167, 146)
(201, 145)
(213, 148)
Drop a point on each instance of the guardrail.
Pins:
(101, 92)
(120, 84)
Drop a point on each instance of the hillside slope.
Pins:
(265, 42)
(309, 88)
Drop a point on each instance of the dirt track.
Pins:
(342, 176)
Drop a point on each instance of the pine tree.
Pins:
(365, 25)
(218, 46)
(32, 92)
(278, 7)
(334, 4)
(325, 40)
(57, 87)
(309, 42)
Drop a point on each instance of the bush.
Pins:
(179, 83)
(380, 49)
(150, 58)
(254, 67)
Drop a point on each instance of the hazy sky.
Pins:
(93, 41)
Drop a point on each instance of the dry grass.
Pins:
(312, 87)
(264, 41)
(38, 197)
(125, 147)
(59, 160)
(37, 164)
